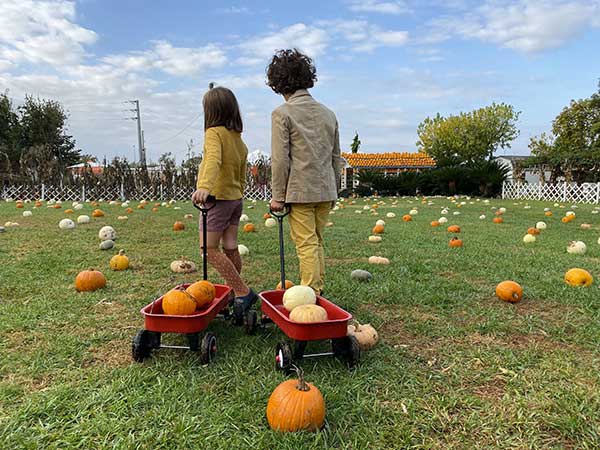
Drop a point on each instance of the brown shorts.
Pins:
(225, 214)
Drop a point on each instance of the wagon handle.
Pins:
(204, 209)
(280, 216)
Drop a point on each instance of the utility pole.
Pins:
(141, 149)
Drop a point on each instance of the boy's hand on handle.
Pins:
(200, 196)
(277, 206)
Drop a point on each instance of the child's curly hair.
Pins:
(290, 71)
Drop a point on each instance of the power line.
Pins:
(179, 133)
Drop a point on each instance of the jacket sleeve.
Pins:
(280, 155)
(336, 158)
(211, 161)
(243, 171)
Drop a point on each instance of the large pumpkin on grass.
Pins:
(308, 314)
(509, 291)
(178, 303)
(90, 280)
(297, 296)
(203, 292)
(578, 277)
(296, 405)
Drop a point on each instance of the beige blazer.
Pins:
(305, 151)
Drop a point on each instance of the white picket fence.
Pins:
(560, 192)
(68, 193)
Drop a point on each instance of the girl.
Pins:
(222, 174)
(305, 155)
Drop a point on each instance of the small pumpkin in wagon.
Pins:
(203, 293)
(179, 303)
(308, 314)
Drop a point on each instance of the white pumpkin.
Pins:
(390, 215)
(444, 212)
(577, 248)
(366, 207)
(585, 226)
(529, 238)
(107, 233)
(442, 220)
(297, 296)
(270, 222)
(188, 216)
(244, 218)
(243, 249)
(502, 210)
(83, 219)
(413, 212)
(8, 224)
(358, 212)
(598, 241)
(27, 214)
(112, 203)
(122, 217)
(375, 239)
(125, 204)
(595, 211)
(570, 213)
(541, 225)
(66, 224)
(546, 209)
(329, 224)
(482, 217)
(378, 260)
(78, 207)
(526, 207)
(380, 222)
(456, 213)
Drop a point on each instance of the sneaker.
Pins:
(243, 304)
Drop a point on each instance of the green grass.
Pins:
(456, 368)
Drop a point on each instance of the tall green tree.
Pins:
(44, 122)
(9, 135)
(573, 147)
(355, 146)
(468, 137)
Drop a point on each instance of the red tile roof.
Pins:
(389, 160)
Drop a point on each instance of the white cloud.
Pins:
(525, 26)
(364, 36)
(234, 10)
(187, 61)
(375, 6)
(309, 39)
(42, 32)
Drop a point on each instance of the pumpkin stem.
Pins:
(302, 386)
(121, 252)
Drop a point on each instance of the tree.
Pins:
(355, 146)
(43, 122)
(573, 148)
(9, 134)
(468, 137)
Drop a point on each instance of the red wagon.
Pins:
(157, 322)
(335, 328)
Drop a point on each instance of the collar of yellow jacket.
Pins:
(299, 93)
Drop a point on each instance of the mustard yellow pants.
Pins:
(307, 222)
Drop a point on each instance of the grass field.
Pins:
(456, 368)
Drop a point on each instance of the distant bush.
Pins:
(483, 178)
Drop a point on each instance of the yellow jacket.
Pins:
(223, 168)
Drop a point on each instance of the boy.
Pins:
(305, 154)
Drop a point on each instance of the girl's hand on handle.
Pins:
(200, 196)
(277, 206)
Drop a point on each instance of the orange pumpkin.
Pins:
(68, 211)
(57, 206)
(178, 303)
(296, 405)
(435, 223)
(97, 213)
(454, 229)
(203, 292)
(154, 209)
(156, 205)
(407, 218)
(141, 206)
(509, 291)
(548, 213)
(90, 280)
(178, 226)
(129, 210)
(266, 216)
(288, 284)
(249, 228)
(533, 230)
(20, 205)
(38, 204)
(565, 220)
(378, 229)
(456, 242)
(498, 220)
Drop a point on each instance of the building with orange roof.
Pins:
(388, 163)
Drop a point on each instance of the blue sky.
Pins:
(383, 65)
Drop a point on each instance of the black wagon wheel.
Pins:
(250, 322)
(208, 348)
(140, 346)
(347, 349)
(283, 357)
